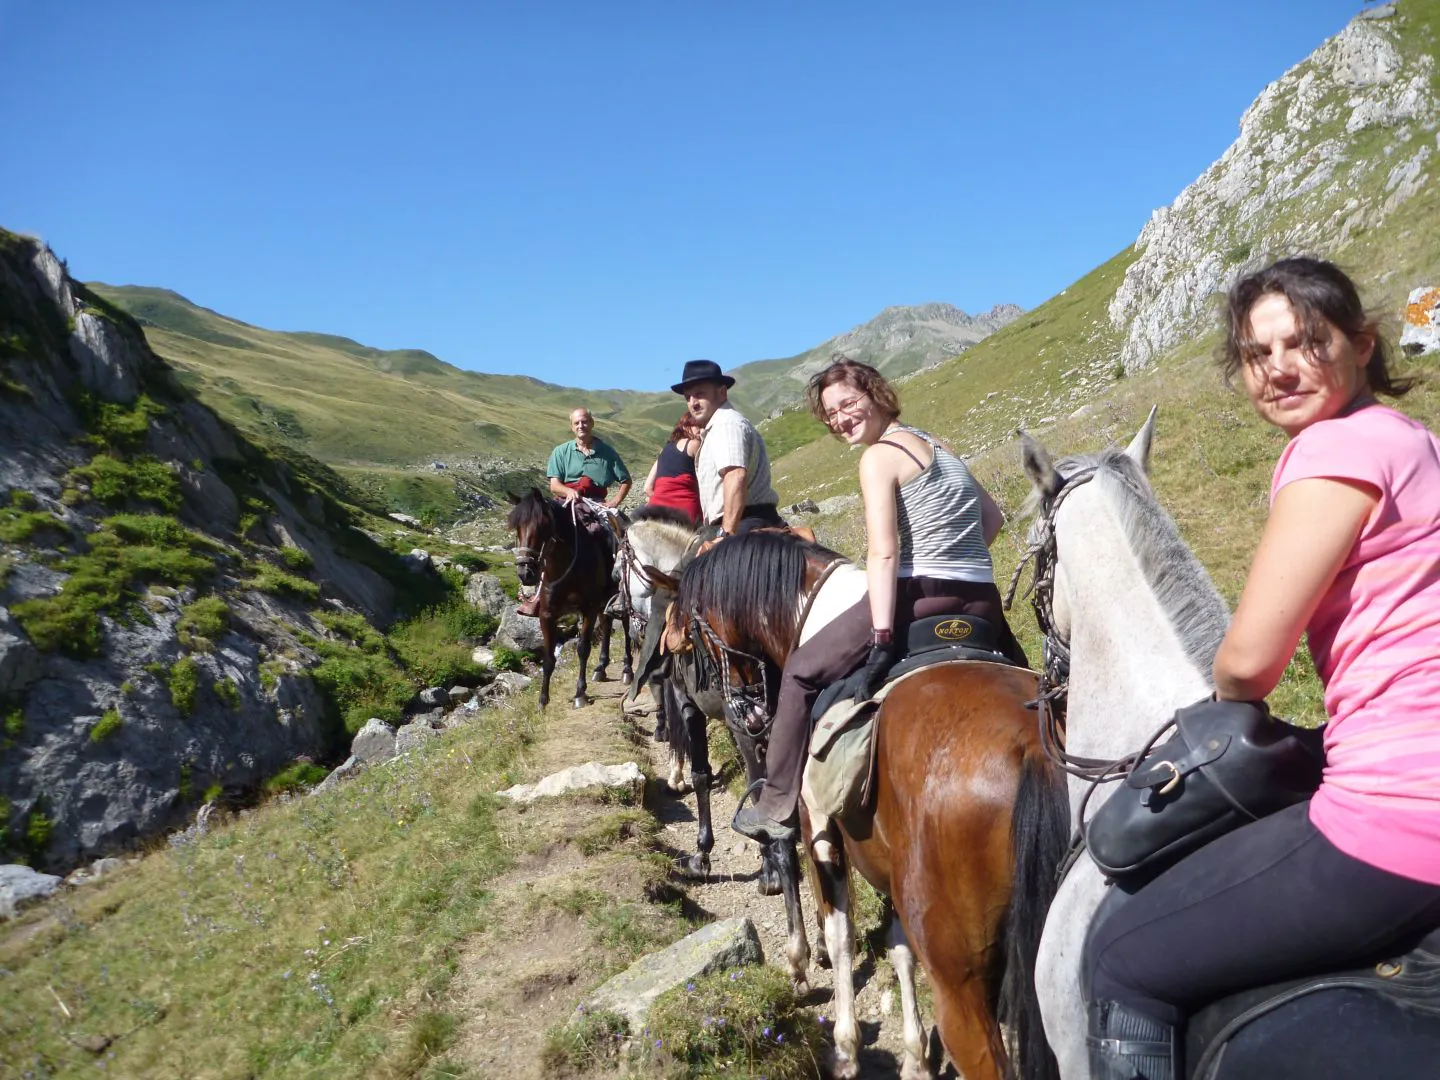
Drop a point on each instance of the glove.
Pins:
(881, 660)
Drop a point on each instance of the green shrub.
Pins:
(296, 775)
(212, 793)
(464, 620)
(227, 692)
(507, 659)
(18, 526)
(38, 829)
(743, 1022)
(208, 616)
(107, 725)
(142, 479)
(123, 428)
(269, 578)
(429, 650)
(184, 683)
(362, 685)
(296, 558)
(158, 530)
(354, 628)
(13, 726)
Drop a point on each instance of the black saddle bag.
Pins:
(1228, 763)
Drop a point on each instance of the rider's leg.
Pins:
(1270, 901)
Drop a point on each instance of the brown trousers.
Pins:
(842, 647)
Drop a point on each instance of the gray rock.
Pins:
(20, 885)
(483, 655)
(406, 519)
(1420, 336)
(374, 742)
(804, 506)
(485, 592)
(94, 872)
(349, 767)
(578, 778)
(509, 682)
(418, 561)
(412, 736)
(837, 504)
(19, 660)
(728, 944)
(435, 696)
(457, 694)
(519, 631)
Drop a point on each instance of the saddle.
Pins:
(1403, 990)
(839, 775)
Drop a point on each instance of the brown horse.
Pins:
(970, 820)
(574, 572)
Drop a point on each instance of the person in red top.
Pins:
(672, 479)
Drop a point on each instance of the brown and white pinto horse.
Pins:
(970, 819)
(553, 550)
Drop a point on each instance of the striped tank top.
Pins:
(938, 514)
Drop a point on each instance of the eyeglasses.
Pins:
(849, 408)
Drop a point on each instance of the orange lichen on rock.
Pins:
(1421, 312)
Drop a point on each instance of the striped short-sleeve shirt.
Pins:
(730, 441)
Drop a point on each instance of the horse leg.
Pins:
(547, 657)
(902, 959)
(797, 944)
(662, 708)
(697, 867)
(832, 902)
(606, 625)
(968, 1027)
(582, 652)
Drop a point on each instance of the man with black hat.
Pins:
(732, 468)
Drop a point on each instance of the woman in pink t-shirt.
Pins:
(1351, 556)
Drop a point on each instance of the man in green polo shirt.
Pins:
(587, 466)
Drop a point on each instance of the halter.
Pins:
(538, 554)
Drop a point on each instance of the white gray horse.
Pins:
(1142, 621)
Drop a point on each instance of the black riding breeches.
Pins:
(1270, 901)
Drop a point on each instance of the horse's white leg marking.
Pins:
(675, 780)
(830, 866)
(902, 959)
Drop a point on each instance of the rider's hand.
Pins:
(881, 660)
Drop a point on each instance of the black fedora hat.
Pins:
(702, 371)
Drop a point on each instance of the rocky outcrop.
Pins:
(20, 885)
(1328, 150)
(1420, 336)
(118, 723)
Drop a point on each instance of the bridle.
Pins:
(524, 553)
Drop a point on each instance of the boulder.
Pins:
(458, 694)
(20, 885)
(578, 778)
(374, 742)
(435, 697)
(418, 561)
(837, 504)
(1421, 332)
(509, 682)
(485, 592)
(728, 944)
(349, 767)
(483, 655)
(804, 506)
(405, 519)
(412, 736)
(519, 631)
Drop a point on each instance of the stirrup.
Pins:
(1125, 1044)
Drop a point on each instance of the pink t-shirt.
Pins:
(1376, 642)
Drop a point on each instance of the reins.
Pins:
(539, 555)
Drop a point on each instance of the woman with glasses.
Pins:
(928, 529)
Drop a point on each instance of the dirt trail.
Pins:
(536, 965)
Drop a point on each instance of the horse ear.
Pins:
(1139, 449)
(1038, 466)
(662, 580)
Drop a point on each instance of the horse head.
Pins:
(532, 520)
(658, 545)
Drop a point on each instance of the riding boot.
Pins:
(529, 606)
(1128, 1045)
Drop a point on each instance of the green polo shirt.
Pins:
(602, 465)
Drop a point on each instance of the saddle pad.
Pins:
(841, 766)
(846, 688)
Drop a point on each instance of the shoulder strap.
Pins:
(903, 449)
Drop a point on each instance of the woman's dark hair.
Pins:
(862, 377)
(1318, 291)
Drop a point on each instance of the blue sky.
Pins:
(592, 193)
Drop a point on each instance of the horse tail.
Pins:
(1039, 836)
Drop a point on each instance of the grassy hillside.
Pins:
(373, 412)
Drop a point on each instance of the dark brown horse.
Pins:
(574, 572)
(970, 820)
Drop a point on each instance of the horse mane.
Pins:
(531, 512)
(753, 581)
(1180, 583)
(667, 514)
(662, 532)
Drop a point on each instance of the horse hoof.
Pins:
(581, 700)
(599, 675)
(660, 734)
(695, 868)
(822, 957)
(767, 887)
(627, 677)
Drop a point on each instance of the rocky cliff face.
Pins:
(156, 575)
(1332, 147)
